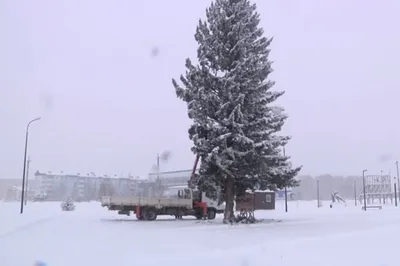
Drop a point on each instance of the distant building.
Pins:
(10, 189)
(56, 186)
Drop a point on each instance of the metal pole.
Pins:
(27, 179)
(23, 174)
(156, 187)
(318, 193)
(395, 195)
(365, 197)
(381, 181)
(24, 170)
(397, 167)
(355, 192)
(286, 208)
(286, 199)
(158, 166)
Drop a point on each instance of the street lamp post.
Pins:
(318, 203)
(397, 167)
(27, 179)
(355, 192)
(286, 199)
(24, 171)
(365, 197)
(395, 191)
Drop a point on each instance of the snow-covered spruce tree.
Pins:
(68, 205)
(230, 102)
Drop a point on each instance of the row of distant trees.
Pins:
(346, 186)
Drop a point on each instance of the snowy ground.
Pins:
(306, 236)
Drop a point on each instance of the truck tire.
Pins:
(150, 214)
(211, 213)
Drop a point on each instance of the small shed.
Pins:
(257, 200)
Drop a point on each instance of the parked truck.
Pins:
(177, 201)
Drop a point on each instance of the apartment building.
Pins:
(56, 186)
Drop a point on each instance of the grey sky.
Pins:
(108, 106)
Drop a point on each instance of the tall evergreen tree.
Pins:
(230, 103)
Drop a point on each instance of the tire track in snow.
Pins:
(25, 226)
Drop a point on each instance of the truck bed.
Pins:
(158, 202)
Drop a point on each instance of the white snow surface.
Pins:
(305, 236)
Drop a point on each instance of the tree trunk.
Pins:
(229, 200)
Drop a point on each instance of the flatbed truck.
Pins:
(179, 202)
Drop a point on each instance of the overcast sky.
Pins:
(108, 106)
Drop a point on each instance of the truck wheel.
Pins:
(150, 214)
(211, 213)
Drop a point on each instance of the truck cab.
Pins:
(200, 197)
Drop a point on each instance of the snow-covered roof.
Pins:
(173, 174)
(91, 174)
(178, 187)
(259, 191)
(179, 174)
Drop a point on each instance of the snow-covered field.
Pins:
(306, 236)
